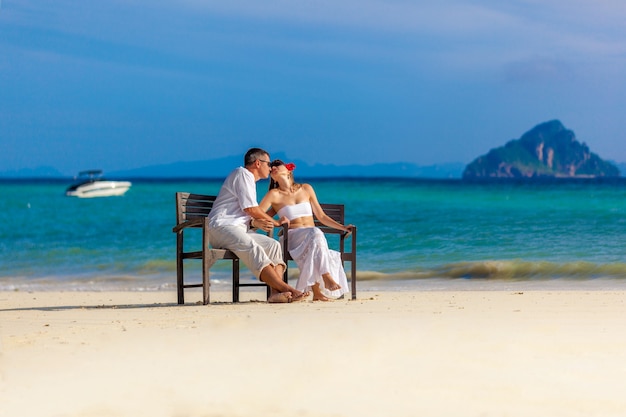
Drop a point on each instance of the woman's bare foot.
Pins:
(280, 297)
(302, 297)
(318, 295)
(330, 283)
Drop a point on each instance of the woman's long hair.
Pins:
(274, 184)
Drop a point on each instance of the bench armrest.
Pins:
(187, 223)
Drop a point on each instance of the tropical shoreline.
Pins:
(223, 284)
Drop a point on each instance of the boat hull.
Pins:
(99, 189)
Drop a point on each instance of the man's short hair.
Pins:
(253, 154)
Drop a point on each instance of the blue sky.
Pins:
(126, 84)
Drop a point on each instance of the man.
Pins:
(236, 211)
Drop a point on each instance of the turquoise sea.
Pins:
(409, 231)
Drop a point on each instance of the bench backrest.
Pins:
(191, 206)
(335, 212)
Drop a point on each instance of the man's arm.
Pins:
(262, 220)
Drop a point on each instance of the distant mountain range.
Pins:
(221, 167)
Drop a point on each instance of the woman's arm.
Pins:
(266, 203)
(263, 219)
(319, 212)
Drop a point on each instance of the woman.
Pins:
(320, 267)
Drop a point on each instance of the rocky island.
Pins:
(547, 150)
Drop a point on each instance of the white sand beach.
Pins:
(389, 353)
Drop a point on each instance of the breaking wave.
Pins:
(507, 270)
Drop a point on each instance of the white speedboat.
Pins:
(92, 184)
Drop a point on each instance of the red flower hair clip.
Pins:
(290, 166)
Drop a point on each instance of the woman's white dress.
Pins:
(309, 249)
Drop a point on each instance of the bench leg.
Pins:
(353, 279)
(179, 283)
(235, 280)
(206, 282)
(179, 269)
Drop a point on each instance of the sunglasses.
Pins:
(269, 164)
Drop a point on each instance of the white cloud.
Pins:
(390, 16)
(457, 35)
(537, 69)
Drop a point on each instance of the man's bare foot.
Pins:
(280, 297)
(302, 297)
(329, 283)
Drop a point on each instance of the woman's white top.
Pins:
(295, 211)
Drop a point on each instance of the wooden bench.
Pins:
(192, 212)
